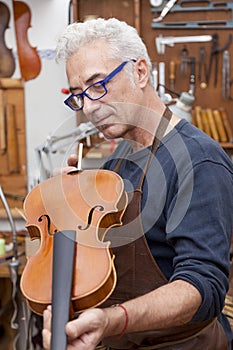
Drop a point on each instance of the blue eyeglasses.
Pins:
(95, 91)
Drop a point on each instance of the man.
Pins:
(172, 252)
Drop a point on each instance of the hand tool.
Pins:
(156, 3)
(206, 126)
(214, 55)
(202, 71)
(204, 24)
(220, 127)
(161, 41)
(198, 118)
(161, 78)
(172, 68)
(165, 10)
(137, 20)
(192, 75)
(184, 61)
(216, 24)
(226, 75)
(155, 76)
(227, 124)
(212, 124)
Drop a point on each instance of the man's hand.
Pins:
(84, 333)
(72, 166)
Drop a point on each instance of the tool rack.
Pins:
(185, 18)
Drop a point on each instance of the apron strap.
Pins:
(163, 124)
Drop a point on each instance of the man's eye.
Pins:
(98, 87)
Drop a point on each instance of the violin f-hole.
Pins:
(48, 224)
(90, 215)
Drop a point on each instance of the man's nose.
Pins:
(90, 106)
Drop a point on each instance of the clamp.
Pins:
(214, 55)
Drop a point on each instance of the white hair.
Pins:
(123, 39)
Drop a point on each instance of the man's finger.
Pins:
(47, 317)
(72, 160)
(46, 339)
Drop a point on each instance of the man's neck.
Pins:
(140, 138)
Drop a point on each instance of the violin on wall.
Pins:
(29, 60)
(74, 268)
(7, 62)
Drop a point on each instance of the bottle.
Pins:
(182, 107)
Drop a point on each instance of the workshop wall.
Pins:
(190, 18)
(44, 109)
(186, 18)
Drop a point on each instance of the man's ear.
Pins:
(142, 72)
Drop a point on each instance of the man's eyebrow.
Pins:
(87, 82)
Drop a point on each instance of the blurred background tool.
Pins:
(214, 122)
(202, 68)
(161, 78)
(161, 41)
(155, 75)
(226, 75)
(184, 61)
(192, 77)
(214, 56)
(203, 15)
(165, 10)
(172, 74)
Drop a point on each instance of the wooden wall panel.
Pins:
(211, 96)
(13, 174)
(121, 9)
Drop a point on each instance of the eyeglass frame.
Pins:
(102, 82)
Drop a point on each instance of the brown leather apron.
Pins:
(138, 274)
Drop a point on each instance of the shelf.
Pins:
(227, 145)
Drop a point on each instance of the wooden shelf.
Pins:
(227, 145)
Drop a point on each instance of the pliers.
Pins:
(214, 55)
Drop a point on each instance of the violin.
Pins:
(7, 62)
(85, 203)
(29, 60)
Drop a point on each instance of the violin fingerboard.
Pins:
(63, 262)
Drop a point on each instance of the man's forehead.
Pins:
(84, 68)
(92, 58)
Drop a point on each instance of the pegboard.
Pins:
(215, 22)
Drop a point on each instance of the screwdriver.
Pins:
(172, 68)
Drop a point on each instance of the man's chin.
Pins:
(109, 131)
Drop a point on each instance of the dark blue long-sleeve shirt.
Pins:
(187, 211)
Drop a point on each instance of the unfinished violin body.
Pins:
(89, 202)
(29, 59)
(7, 62)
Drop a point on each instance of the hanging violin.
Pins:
(29, 60)
(7, 62)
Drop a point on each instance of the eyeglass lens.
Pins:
(94, 92)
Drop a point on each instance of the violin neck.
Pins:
(63, 262)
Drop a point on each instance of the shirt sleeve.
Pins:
(201, 239)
